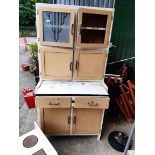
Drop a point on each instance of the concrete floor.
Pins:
(68, 145)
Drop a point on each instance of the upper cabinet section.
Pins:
(56, 25)
(94, 26)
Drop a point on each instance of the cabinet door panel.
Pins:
(87, 121)
(94, 27)
(56, 63)
(56, 25)
(89, 65)
(56, 121)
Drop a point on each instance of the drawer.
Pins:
(52, 102)
(96, 103)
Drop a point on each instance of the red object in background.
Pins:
(29, 97)
(27, 90)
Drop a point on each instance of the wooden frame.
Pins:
(64, 66)
(61, 9)
(86, 70)
(107, 31)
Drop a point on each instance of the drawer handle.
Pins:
(71, 66)
(77, 65)
(50, 103)
(92, 104)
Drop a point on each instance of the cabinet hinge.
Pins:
(112, 18)
(37, 12)
(38, 39)
(40, 73)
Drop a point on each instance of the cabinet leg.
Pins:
(99, 137)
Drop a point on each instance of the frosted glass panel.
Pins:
(56, 27)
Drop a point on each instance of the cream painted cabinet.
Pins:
(56, 63)
(55, 25)
(89, 65)
(94, 26)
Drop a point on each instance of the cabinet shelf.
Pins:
(94, 28)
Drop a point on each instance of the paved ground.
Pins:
(67, 145)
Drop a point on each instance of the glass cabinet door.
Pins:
(56, 26)
(93, 28)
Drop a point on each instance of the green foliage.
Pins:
(33, 50)
(27, 15)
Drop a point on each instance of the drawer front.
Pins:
(52, 102)
(95, 103)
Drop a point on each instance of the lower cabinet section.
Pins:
(87, 121)
(81, 116)
(56, 121)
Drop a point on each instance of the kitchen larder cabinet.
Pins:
(89, 64)
(94, 26)
(56, 25)
(56, 63)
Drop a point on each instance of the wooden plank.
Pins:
(126, 108)
(118, 101)
(130, 85)
(127, 100)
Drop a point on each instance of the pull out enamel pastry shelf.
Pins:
(71, 88)
(94, 27)
(55, 24)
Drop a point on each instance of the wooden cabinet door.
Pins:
(87, 121)
(56, 121)
(89, 65)
(94, 26)
(56, 25)
(56, 64)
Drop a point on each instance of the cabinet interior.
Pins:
(93, 28)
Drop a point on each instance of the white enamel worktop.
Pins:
(71, 88)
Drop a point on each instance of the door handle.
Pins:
(71, 66)
(50, 103)
(77, 65)
(74, 119)
(68, 119)
(92, 104)
(72, 29)
(80, 28)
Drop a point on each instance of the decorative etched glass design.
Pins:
(56, 27)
